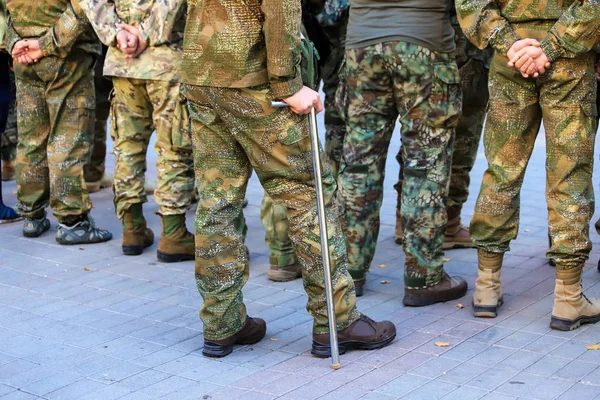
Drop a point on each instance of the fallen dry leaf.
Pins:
(86, 269)
(460, 305)
(593, 347)
(446, 259)
(273, 339)
(382, 266)
(81, 248)
(527, 230)
(384, 282)
(442, 344)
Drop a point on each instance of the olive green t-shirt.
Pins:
(422, 22)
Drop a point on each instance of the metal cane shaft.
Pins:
(316, 156)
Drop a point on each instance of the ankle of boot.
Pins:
(134, 217)
(489, 261)
(172, 223)
(569, 276)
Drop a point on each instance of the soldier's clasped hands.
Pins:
(528, 57)
(27, 51)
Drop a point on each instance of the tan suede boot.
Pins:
(176, 243)
(9, 170)
(488, 289)
(571, 307)
(136, 236)
(457, 235)
(399, 233)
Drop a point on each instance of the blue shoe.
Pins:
(8, 214)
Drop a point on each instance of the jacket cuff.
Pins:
(47, 44)
(551, 48)
(503, 40)
(285, 89)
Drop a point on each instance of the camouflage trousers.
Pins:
(138, 108)
(55, 112)
(9, 137)
(274, 218)
(335, 127)
(474, 83)
(233, 131)
(386, 81)
(564, 98)
(94, 170)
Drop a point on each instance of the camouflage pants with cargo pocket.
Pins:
(565, 98)
(138, 108)
(55, 113)
(383, 82)
(234, 131)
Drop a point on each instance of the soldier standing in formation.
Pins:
(54, 79)
(473, 65)
(229, 91)
(144, 63)
(396, 68)
(564, 96)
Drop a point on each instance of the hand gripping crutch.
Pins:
(316, 156)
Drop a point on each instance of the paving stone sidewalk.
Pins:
(89, 323)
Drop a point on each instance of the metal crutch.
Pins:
(316, 156)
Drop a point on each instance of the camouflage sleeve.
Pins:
(576, 32)
(281, 30)
(103, 17)
(483, 23)
(158, 27)
(59, 40)
(12, 37)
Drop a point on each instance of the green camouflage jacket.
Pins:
(59, 25)
(232, 43)
(161, 24)
(565, 28)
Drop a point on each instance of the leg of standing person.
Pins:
(569, 190)
(56, 110)
(276, 143)
(94, 171)
(422, 87)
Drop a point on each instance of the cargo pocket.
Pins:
(446, 96)
(181, 135)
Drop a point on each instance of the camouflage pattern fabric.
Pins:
(473, 65)
(564, 28)
(234, 130)
(9, 138)
(251, 30)
(94, 170)
(334, 13)
(420, 86)
(161, 23)
(59, 25)
(564, 97)
(274, 219)
(55, 113)
(138, 108)
(335, 128)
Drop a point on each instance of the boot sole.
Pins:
(66, 243)
(218, 351)
(561, 324)
(171, 258)
(420, 302)
(324, 351)
(282, 276)
(487, 311)
(135, 249)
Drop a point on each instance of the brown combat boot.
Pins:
(457, 235)
(284, 274)
(362, 334)
(399, 233)
(176, 242)
(571, 307)
(253, 331)
(136, 236)
(9, 170)
(488, 289)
